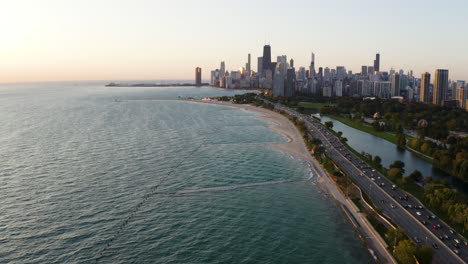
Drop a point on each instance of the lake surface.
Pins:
(96, 174)
(389, 152)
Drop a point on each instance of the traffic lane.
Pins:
(399, 218)
(328, 138)
(412, 227)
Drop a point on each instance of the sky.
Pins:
(71, 40)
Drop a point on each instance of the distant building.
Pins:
(462, 96)
(340, 72)
(440, 86)
(327, 74)
(327, 91)
(382, 89)
(222, 72)
(260, 65)
(198, 77)
(424, 94)
(278, 84)
(312, 67)
(396, 85)
(370, 70)
(266, 63)
(450, 103)
(290, 83)
(339, 88)
(377, 62)
(364, 70)
(248, 65)
(301, 74)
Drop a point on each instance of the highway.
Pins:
(421, 225)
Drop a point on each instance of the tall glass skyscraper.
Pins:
(266, 63)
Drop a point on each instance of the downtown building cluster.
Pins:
(282, 78)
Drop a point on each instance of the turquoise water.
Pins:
(88, 178)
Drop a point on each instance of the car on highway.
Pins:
(418, 213)
(435, 246)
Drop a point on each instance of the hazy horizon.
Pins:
(56, 40)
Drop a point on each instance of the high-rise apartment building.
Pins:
(198, 77)
(424, 94)
(440, 86)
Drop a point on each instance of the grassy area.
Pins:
(416, 190)
(309, 105)
(366, 128)
(358, 203)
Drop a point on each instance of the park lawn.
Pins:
(317, 106)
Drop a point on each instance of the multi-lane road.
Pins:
(419, 224)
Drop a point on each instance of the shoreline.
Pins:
(296, 146)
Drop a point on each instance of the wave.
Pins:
(232, 187)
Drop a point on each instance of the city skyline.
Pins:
(155, 40)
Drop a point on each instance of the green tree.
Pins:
(416, 176)
(378, 161)
(401, 140)
(394, 174)
(404, 252)
(424, 254)
(398, 164)
(394, 236)
(329, 124)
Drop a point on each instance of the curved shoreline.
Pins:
(296, 146)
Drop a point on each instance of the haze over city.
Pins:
(159, 40)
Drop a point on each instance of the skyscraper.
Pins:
(462, 95)
(222, 70)
(396, 85)
(312, 67)
(291, 63)
(364, 70)
(248, 67)
(198, 79)
(440, 86)
(260, 65)
(266, 65)
(424, 95)
(377, 62)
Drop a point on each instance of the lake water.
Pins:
(96, 174)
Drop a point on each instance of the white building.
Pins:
(339, 88)
(327, 91)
